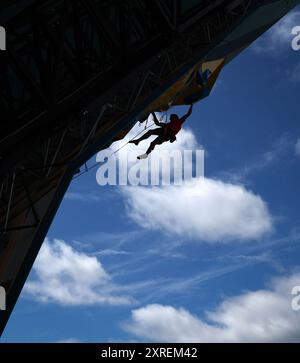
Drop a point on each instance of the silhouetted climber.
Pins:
(165, 132)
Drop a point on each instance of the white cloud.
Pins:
(68, 277)
(89, 197)
(113, 240)
(279, 36)
(81, 197)
(204, 209)
(260, 316)
(297, 147)
(110, 252)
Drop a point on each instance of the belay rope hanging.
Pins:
(165, 115)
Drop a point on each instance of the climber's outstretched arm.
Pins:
(188, 114)
(157, 123)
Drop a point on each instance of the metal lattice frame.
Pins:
(56, 137)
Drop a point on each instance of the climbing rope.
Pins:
(87, 169)
(115, 152)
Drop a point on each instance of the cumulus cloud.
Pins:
(259, 316)
(204, 209)
(279, 36)
(297, 147)
(68, 277)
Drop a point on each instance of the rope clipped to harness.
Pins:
(165, 115)
(87, 169)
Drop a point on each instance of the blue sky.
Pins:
(166, 264)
